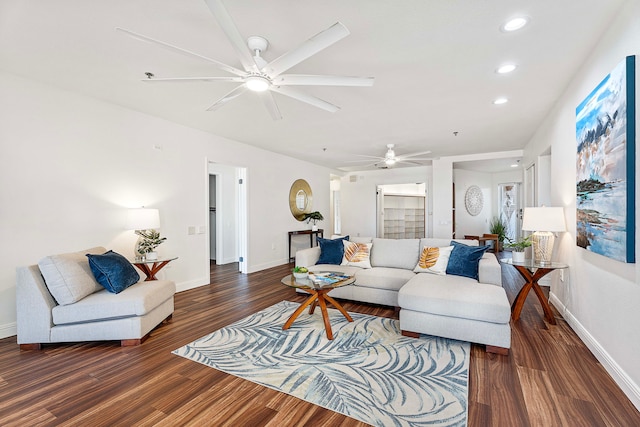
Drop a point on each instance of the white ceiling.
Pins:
(433, 61)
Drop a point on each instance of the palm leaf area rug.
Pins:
(369, 372)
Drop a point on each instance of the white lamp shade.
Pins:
(143, 219)
(543, 219)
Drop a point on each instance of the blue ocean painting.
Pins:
(604, 179)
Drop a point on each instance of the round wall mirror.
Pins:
(300, 197)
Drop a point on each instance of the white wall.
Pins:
(359, 197)
(72, 165)
(600, 297)
(465, 222)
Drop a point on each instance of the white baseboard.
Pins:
(266, 265)
(191, 284)
(628, 386)
(8, 330)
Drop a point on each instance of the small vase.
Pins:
(314, 228)
(151, 256)
(517, 256)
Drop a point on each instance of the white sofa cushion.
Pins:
(136, 300)
(455, 296)
(383, 278)
(395, 253)
(68, 276)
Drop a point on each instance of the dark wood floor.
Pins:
(549, 378)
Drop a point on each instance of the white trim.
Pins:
(628, 386)
(191, 284)
(266, 265)
(8, 330)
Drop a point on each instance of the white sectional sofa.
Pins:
(448, 305)
(82, 310)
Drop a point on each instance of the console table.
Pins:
(532, 272)
(318, 233)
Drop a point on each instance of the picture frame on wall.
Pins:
(605, 166)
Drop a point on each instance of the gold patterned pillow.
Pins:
(356, 254)
(433, 260)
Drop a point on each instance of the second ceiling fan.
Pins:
(261, 76)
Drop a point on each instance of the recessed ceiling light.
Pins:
(515, 24)
(506, 68)
(514, 165)
(499, 101)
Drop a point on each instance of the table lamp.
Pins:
(543, 221)
(143, 219)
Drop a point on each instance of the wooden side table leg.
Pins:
(548, 313)
(518, 303)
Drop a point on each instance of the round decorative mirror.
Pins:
(300, 197)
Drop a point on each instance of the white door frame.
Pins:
(234, 173)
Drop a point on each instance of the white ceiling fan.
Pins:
(261, 76)
(390, 158)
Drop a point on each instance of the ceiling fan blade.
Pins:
(311, 80)
(231, 31)
(367, 165)
(309, 99)
(194, 79)
(176, 49)
(406, 156)
(228, 97)
(270, 102)
(315, 44)
(370, 157)
(365, 160)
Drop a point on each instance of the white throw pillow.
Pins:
(356, 254)
(433, 260)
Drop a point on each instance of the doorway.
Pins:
(401, 211)
(227, 212)
(509, 208)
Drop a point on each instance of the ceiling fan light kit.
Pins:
(262, 76)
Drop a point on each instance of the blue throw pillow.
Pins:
(331, 250)
(113, 271)
(464, 260)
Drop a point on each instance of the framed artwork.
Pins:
(605, 180)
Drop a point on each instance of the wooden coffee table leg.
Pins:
(325, 314)
(300, 309)
(313, 307)
(339, 307)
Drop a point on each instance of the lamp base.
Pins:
(542, 242)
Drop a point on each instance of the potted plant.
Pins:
(313, 217)
(518, 246)
(498, 226)
(149, 241)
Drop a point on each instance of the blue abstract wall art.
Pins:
(605, 181)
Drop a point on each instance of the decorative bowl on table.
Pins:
(301, 275)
